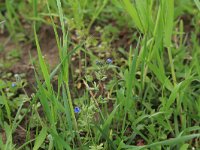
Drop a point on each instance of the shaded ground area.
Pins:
(21, 63)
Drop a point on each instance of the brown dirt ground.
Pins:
(23, 65)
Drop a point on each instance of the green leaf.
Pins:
(67, 108)
(169, 21)
(40, 138)
(184, 147)
(42, 63)
(161, 76)
(131, 9)
(5, 102)
(172, 141)
(109, 119)
(130, 81)
(60, 142)
(197, 3)
(175, 91)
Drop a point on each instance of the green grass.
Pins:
(147, 97)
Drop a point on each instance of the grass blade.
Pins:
(133, 13)
(169, 21)
(131, 80)
(197, 3)
(172, 141)
(40, 138)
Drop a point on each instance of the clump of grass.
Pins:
(150, 102)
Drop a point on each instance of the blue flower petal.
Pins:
(76, 109)
(13, 85)
(109, 61)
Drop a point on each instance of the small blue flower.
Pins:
(13, 84)
(109, 61)
(77, 110)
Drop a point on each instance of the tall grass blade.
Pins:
(197, 2)
(169, 142)
(40, 138)
(131, 9)
(43, 65)
(131, 80)
(169, 21)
